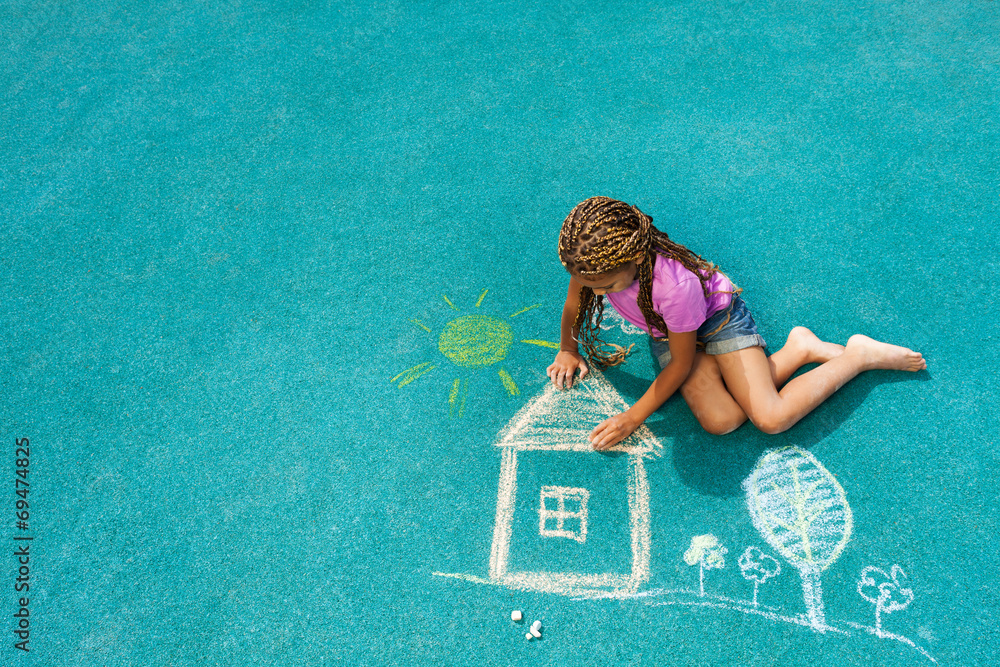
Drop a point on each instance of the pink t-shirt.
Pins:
(677, 297)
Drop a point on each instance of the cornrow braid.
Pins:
(601, 235)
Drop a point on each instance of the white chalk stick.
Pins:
(537, 625)
(515, 615)
(528, 636)
(535, 632)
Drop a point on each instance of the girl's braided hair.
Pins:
(600, 236)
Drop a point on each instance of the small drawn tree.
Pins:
(802, 511)
(758, 567)
(706, 552)
(884, 591)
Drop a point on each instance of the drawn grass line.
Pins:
(467, 577)
(797, 620)
(618, 595)
(741, 606)
(660, 592)
(542, 343)
(524, 310)
(889, 635)
(411, 374)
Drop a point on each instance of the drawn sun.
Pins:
(471, 341)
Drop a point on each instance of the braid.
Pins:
(599, 236)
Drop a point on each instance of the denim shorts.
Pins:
(728, 330)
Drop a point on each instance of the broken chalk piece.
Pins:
(528, 637)
(537, 625)
(515, 615)
(535, 632)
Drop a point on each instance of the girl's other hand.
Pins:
(612, 431)
(563, 369)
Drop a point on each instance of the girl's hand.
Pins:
(612, 431)
(563, 369)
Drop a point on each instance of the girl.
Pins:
(704, 337)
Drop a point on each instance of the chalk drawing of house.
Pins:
(545, 524)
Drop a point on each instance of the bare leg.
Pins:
(747, 374)
(714, 407)
(802, 347)
(710, 402)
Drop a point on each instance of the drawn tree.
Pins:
(801, 510)
(706, 552)
(884, 591)
(758, 567)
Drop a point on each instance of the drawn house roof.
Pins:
(559, 419)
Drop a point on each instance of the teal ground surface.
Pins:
(227, 227)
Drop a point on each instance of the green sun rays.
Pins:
(411, 374)
(471, 342)
(456, 397)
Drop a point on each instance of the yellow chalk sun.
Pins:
(474, 341)
(471, 341)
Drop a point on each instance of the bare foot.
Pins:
(884, 355)
(815, 350)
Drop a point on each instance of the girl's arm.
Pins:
(568, 360)
(612, 431)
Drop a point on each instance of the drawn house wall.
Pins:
(552, 426)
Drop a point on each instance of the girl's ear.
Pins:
(641, 258)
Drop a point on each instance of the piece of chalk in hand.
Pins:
(515, 615)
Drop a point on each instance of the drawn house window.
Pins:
(562, 512)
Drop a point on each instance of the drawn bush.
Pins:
(884, 591)
(706, 552)
(801, 510)
(758, 567)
